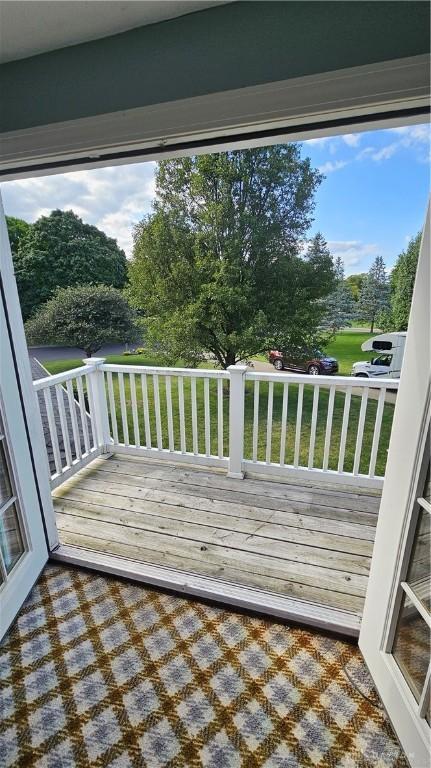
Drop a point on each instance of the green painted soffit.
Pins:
(230, 46)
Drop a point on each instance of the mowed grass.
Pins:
(346, 348)
(142, 360)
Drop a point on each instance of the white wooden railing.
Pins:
(345, 398)
(70, 412)
(186, 432)
(240, 420)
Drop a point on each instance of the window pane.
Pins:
(10, 537)
(420, 564)
(5, 486)
(412, 646)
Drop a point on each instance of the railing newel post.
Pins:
(236, 420)
(97, 384)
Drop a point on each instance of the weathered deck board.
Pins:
(221, 569)
(289, 539)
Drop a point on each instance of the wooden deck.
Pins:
(289, 539)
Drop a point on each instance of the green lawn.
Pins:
(346, 347)
(345, 342)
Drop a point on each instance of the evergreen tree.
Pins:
(340, 304)
(374, 295)
(402, 283)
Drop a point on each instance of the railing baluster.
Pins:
(74, 420)
(168, 389)
(377, 430)
(157, 411)
(313, 427)
(298, 425)
(60, 394)
(255, 419)
(344, 428)
(52, 429)
(147, 426)
(328, 432)
(284, 423)
(134, 410)
(194, 416)
(91, 410)
(123, 409)
(112, 408)
(207, 417)
(181, 410)
(269, 422)
(83, 414)
(220, 418)
(360, 432)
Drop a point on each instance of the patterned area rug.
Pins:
(100, 672)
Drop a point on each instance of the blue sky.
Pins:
(370, 203)
(375, 191)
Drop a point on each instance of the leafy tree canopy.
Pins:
(219, 267)
(83, 316)
(355, 282)
(374, 296)
(59, 250)
(17, 230)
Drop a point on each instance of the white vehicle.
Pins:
(389, 349)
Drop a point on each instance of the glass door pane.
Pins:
(411, 648)
(12, 539)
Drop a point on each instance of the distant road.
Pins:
(71, 353)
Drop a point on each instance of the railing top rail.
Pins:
(60, 378)
(161, 371)
(304, 378)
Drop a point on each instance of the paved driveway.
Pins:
(71, 353)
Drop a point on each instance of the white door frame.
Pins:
(29, 402)
(25, 492)
(394, 527)
(322, 105)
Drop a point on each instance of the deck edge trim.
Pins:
(288, 608)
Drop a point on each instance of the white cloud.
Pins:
(386, 152)
(331, 166)
(420, 133)
(417, 138)
(114, 199)
(352, 139)
(320, 141)
(354, 253)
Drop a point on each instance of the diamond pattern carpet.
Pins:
(97, 671)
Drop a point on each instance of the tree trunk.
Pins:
(230, 358)
(372, 326)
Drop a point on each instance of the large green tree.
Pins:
(219, 266)
(17, 230)
(354, 283)
(83, 316)
(59, 250)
